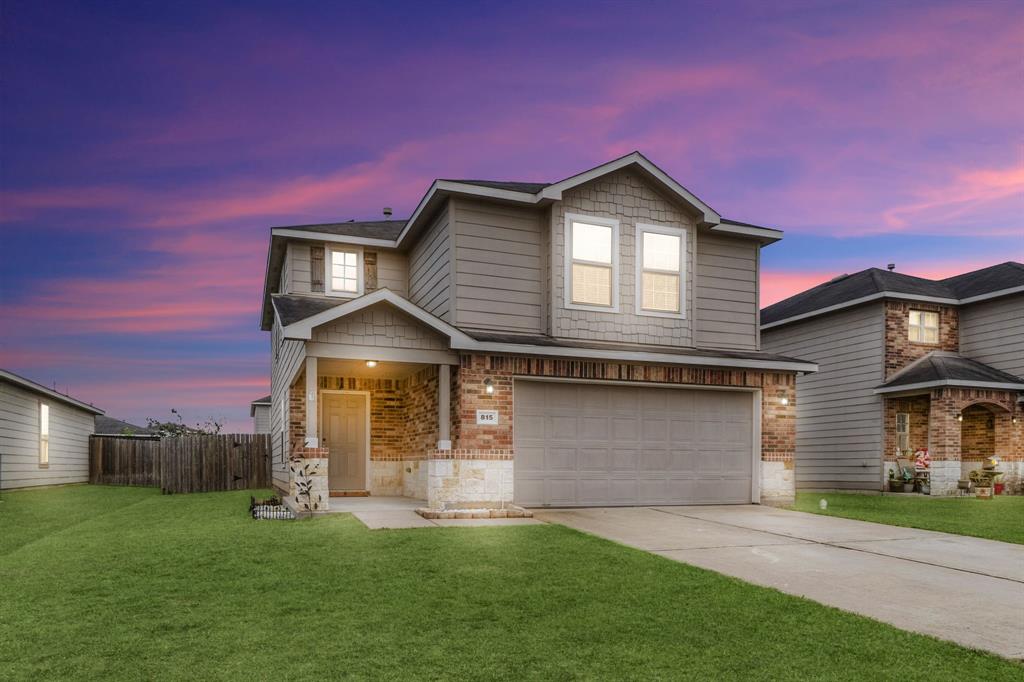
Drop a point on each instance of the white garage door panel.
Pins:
(594, 444)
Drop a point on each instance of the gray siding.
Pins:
(993, 332)
(726, 303)
(839, 418)
(498, 267)
(70, 429)
(379, 325)
(629, 199)
(261, 419)
(430, 269)
(393, 272)
(288, 355)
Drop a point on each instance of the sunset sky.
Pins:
(147, 147)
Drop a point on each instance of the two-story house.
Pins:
(906, 364)
(592, 341)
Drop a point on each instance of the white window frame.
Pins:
(922, 327)
(570, 218)
(903, 434)
(680, 232)
(44, 435)
(329, 250)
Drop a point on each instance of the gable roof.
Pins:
(943, 368)
(29, 385)
(873, 283)
(265, 401)
(396, 234)
(108, 426)
(291, 308)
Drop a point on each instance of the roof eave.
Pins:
(962, 383)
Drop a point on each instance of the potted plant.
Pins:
(895, 484)
(908, 481)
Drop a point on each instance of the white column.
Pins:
(444, 411)
(312, 436)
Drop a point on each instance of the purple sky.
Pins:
(148, 146)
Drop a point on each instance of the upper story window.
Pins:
(661, 258)
(44, 435)
(344, 276)
(591, 259)
(924, 326)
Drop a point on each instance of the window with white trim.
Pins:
(903, 431)
(592, 261)
(661, 286)
(44, 435)
(344, 271)
(924, 326)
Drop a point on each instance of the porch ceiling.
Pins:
(357, 369)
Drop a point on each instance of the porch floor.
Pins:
(371, 503)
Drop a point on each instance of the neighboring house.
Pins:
(593, 341)
(44, 435)
(905, 364)
(259, 410)
(108, 426)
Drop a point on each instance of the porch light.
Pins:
(959, 417)
(488, 387)
(785, 401)
(371, 363)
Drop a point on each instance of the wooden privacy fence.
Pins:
(185, 464)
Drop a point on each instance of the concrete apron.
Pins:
(966, 590)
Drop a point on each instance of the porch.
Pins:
(959, 428)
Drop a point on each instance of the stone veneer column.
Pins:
(309, 464)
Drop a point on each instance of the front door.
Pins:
(344, 434)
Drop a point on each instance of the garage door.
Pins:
(596, 445)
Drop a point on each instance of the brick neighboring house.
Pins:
(592, 341)
(906, 363)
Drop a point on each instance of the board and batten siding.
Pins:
(726, 296)
(992, 332)
(839, 417)
(288, 356)
(498, 267)
(70, 429)
(430, 268)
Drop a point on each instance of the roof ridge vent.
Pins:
(838, 278)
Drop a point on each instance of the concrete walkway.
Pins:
(963, 589)
(379, 513)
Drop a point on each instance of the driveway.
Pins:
(967, 590)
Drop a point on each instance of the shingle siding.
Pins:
(992, 332)
(627, 198)
(839, 418)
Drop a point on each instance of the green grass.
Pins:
(1001, 518)
(119, 583)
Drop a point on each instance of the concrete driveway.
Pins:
(966, 590)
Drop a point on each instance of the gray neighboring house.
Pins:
(586, 342)
(108, 426)
(905, 364)
(259, 410)
(44, 435)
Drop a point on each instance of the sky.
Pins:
(147, 147)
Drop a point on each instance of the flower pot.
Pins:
(908, 487)
(983, 492)
(895, 486)
(926, 489)
(997, 488)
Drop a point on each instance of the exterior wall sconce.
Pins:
(959, 417)
(1016, 419)
(785, 401)
(371, 363)
(488, 387)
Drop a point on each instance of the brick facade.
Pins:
(900, 351)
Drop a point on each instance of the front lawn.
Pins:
(1001, 518)
(120, 583)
